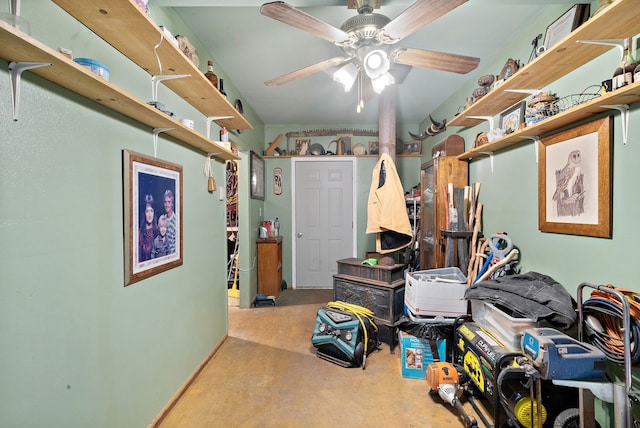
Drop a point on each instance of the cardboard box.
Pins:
(418, 353)
(436, 292)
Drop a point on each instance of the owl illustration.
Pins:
(567, 176)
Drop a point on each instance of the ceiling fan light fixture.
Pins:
(346, 76)
(376, 63)
(381, 82)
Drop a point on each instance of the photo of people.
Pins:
(152, 215)
(157, 220)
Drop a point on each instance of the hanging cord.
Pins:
(208, 172)
(155, 51)
(604, 323)
(359, 312)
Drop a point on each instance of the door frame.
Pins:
(354, 231)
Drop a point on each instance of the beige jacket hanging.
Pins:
(386, 209)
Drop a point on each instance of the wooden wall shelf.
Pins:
(20, 47)
(123, 25)
(621, 19)
(627, 95)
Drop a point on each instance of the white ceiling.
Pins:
(251, 49)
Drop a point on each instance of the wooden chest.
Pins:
(385, 300)
(386, 274)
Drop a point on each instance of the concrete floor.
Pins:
(266, 374)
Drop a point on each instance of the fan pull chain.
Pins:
(360, 104)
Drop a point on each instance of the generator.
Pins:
(345, 334)
(500, 375)
(482, 358)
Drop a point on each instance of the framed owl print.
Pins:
(574, 180)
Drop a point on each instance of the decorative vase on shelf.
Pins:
(14, 19)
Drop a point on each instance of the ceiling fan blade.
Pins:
(418, 15)
(290, 15)
(454, 63)
(306, 71)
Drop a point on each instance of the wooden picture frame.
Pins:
(574, 180)
(256, 168)
(412, 147)
(302, 146)
(511, 118)
(565, 24)
(277, 181)
(152, 216)
(374, 147)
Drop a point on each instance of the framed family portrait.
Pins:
(574, 180)
(152, 216)
(256, 168)
(511, 118)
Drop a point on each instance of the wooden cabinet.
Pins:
(434, 177)
(621, 19)
(270, 266)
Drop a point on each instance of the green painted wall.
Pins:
(79, 349)
(510, 192)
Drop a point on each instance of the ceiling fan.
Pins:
(366, 40)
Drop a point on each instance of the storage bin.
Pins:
(436, 292)
(505, 328)
(94, 66)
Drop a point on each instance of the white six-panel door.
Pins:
(324, 219)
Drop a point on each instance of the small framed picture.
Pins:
(302, 146)
(564, 25)
(374, 147)
(412, 147)
(256, 166)
(511, 118)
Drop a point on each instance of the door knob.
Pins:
(299, 234)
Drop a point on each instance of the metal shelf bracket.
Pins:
(536, 141)
(524, 91)
(155, 80)
(490, 154)
(157, 131)
(624, 115)
(15, 72)
(619, 43)
(487, 118)
(211, 119)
